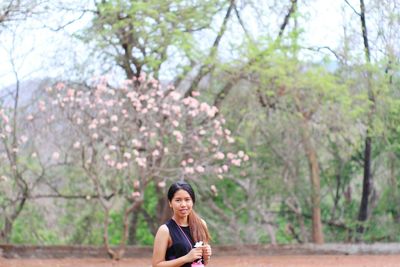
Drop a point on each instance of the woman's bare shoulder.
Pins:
(163, 229)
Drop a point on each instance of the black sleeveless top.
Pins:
(180, 241)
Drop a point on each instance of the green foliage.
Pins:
(143, 235)
(32, 228)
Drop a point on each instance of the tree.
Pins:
(137, 134)
(141, 36)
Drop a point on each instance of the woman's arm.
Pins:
(160, 249)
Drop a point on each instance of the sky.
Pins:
(33, 49)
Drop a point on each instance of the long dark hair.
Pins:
(198, 229)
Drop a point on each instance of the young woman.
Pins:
(175, 240)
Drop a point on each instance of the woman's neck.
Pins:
(181, 221)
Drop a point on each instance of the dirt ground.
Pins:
(231, 261)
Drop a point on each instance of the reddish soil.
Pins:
(231, 261)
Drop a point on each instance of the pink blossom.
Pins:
(195, 93)
(112, 147)
(56, 155)
(214, 190)
(236, 162)
(230, 139)
(110, 103)
(114, 118)
(141, 161)
(219, 155)
(127, 155)
(114, 129)
(189, 170)
(92, 126)
(161, 184)
(95, 136)
(42, 106)
(202, 132)
(143, 97)
(156, 153)
(136, 194)
(77, 145)
(24, 139)
(175, 95)
(200, 169)
(175, 123)
(240, 154)
(29, 117)
(60, 86)
(211, 112)
(70, 92)
(136, 143)
(136, 184)
(193, 113)
(245, 158)
(204, 107)
(190, 160)
(230, 155)
(106, 157)
(178, 135)
(176, 109)
(225, 168)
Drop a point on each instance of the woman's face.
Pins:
(181, 203)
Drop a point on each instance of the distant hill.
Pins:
(27, 90)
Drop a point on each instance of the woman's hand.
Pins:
(195, 254)
(207, 252)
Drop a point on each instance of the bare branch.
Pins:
(292, 9)
(355, 11)
(241, 23)
(319, 48)
(206, 69)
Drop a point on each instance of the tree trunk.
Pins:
(366, 191)
(367, 180)
(133, 226)
(317, 233)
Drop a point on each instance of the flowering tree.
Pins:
(138, 133)
(23, 167)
